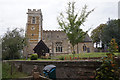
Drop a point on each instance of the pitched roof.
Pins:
(87, 38)
(41, 48)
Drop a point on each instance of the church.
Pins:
(55, 40)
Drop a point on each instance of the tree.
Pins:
(12, 44)
(96, 34)
(112, 30)
(72, 22)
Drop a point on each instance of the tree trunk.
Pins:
(96, 44)
(77, 49)
(73, 52)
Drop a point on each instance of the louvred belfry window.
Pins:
(33, 20)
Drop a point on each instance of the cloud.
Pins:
(13, 12)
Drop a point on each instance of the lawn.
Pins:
(39, 59)
(83, 55)
(68, 56)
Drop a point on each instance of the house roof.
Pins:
(41, 48)
(87, 38)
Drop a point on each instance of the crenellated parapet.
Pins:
(34, 11)
(52, 30)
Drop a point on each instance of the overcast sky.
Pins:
(13, 12)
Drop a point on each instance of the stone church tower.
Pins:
(33, 29)
(34, 25)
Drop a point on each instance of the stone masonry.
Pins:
(78, 70)
(56, 40)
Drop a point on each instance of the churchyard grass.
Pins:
(67, 56)
(84, 55)
(34, 60)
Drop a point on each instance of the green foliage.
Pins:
(105, 32)
(12, 44)
(34, 57)
(109, 69)
(96, 34)
(72, 22)
(113, 46)
(112, 30)
(61, 58)
(6, 69)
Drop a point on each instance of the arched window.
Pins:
(33, 20)
(58, 46)
(84, 47)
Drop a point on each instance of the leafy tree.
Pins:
(13, 43)
(71, 22)
(96, 34)
(112, 30)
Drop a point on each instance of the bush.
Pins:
(34, 57)
(109, 69)
(61, 58)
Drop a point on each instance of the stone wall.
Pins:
(50, 37)
(89, 45)
(64, 69)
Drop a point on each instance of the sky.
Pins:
(13, 12)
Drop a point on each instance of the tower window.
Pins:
(58, 46)
(57, 36)
(33, 20)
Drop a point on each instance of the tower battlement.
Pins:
(34, 11)
(53, 30)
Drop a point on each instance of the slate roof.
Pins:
(41, 48)
(87, 38)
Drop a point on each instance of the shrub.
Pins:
(61, 58)
(34, 57)
(109, 69)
